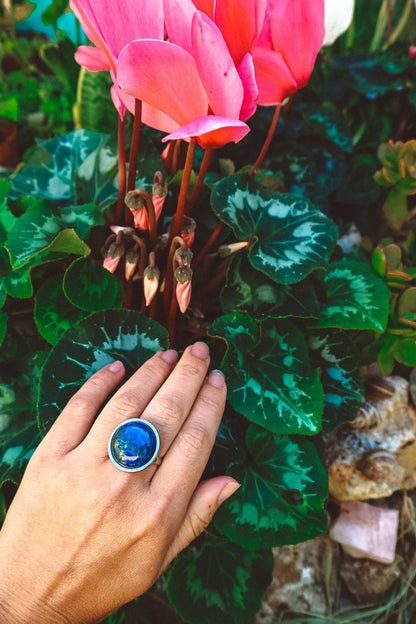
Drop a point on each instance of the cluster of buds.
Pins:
(183, 275)
(122, 243)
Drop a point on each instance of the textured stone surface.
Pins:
(375, 455)
(368, 581)
(301, 573)
(366, 531)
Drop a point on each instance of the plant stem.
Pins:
(208, 244)
(135, 144)
(200, 180)
(173, 311)
(267, 142)
(121, 170)
(180, 210)
(389, 29)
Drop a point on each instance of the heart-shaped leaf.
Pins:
(251, 291)
(53, 313)
(91, 287)
(334, 352)
(288, 238)
(269, 377)
(220, 582)
(356, 298)
(45, 227)
(94, 342)
(283, 488)
(18, 282)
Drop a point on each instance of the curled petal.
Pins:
(211, 131)
(251, 92)
(92, 59)
(183, 295)
(153, 71)
(141, 219)
(118, 102)
(240, 22)
(178, 19)
(158, 204)
(216, 68)
(274, 79)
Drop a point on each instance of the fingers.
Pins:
(208, 496)
(74, 422)
(130, 400)
(186, 459)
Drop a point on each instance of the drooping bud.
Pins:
(188, 230)
(114, 254)
(159, 193)
(183, 257)
(132, 258)
(151, 278)
(135, 203)
(227, 250)
(183, 276)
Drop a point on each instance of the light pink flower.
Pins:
(284, 56)
(183, 295)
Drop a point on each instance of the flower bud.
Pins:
(132, 258)
(227, 250)
(183, 275)
(188, 230)
(183, 256)
(151, 278)
(135, 203)
(159, 193)
(127, 231)
(114, 254)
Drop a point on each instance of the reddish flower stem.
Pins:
(173, 311)
(200, 180)
(267, 142)
(121, 171)
(180, 210)
(135, 144)
(208, 244)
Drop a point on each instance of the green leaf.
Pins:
(47, 227)
(53, 313)
(280, 501)
(405, 351)
(269, 377)
(220, 582)
(356, 298)
(90, 287)
(19, 434)
(3, 325)
(328, 120)
(288, 238)
(94, 109)
(251, 291)
(59, 56)
(3, 292)
(334, 352)
(18, 282)
(7, 219)
(78, 167)
(94, 342)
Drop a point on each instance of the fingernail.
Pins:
(116, 367)
(227, 491)
(216, 378)
(200, 350)
(170, 356)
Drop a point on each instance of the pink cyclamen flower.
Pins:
(192, 78)
(110, 25)
(183, 295)
(284, 56)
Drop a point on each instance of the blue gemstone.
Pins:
(133, 445)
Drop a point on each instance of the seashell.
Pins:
(377, 464)
(367, 418)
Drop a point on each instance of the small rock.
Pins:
(366, 531)
(368, 580)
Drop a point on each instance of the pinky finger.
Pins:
(75, 420)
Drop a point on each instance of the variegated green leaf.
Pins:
(251, 291)
(47, 227)
(88, 346)
(220, 582)
(91, 287)
(339, 360)
(269, 376)
(356, 298)
(7, 219)
(288, 238)
(283, 488)
(18, 282)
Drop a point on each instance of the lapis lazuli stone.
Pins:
(134, 445)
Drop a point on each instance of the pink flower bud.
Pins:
(151, 278)
(114, 254)
(188, 230)
(183, 275)
(141, 219)
(158, 204)
(132, 258)
(159, 193)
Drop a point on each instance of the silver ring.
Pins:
(133, 445)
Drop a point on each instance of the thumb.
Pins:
(208, 496)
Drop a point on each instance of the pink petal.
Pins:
(297, 30)
(251, 92)
(92, 59)
(116, 22)
(240, 22)
(274, 80)
(207, 6)
(178, 20)
(158, 204)
(216, 68)
(118, 102)
(183, 295)
(211, 131)
(163, 75)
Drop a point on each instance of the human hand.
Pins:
(81, 537)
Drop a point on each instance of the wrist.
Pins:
(16, 609)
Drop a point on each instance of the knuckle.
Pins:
(193, 369)
(212, 402)
(97, 383)
(170, 407)
(195, 439)
(79, 402)
(126, 403)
